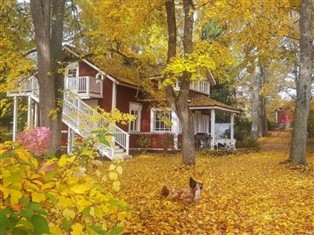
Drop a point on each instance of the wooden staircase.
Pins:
(82, 119)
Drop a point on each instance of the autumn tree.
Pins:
(167, 46)
(48, 18)
(257, 31)
(303, 85)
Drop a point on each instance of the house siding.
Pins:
(86, 70)
(106, 101)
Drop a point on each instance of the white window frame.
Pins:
(136, 107)
(197, 120)
(72, 66)
(202, 86)
(153, 120)
(204, 124)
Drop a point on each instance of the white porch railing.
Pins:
(85, 87)
(27, 86)
(79, 116)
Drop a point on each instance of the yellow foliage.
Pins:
(244, 193)
(63, 192)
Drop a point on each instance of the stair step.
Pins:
(122, 156)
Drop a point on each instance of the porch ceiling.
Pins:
(204, 102)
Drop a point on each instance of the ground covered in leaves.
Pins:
(246, 193)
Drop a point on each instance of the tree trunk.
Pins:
(264, 121)
(179, 102)
(256, 104)
(48, 19)
(303, 85)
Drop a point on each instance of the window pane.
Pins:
(162, 121)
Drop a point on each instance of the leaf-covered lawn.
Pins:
(249, 193)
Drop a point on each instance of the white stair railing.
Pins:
(84, 119)
(80, 117)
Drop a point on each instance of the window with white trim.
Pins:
(135, 110)
(71, 70)
(161, 120)
(71, 73)
(202, 86)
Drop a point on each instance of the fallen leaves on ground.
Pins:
(250, 193)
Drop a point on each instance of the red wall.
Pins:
(86, 70)
(285, 116)
(125, 95)
(157, 141)
(106, 102)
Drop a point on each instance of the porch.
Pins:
(85, 87)
(209, 133)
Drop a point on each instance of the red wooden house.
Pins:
(284, 117)
(89, 87)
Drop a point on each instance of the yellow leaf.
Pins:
(119, 170)
(55, 230)
(23, 155)
(5, 192)
(81, 189)
(77, 229)
(38, 197)
(112, 167)
(68, 214)
(113, 175)
(64, 202)
(48, 185)
(116, 186)
(28, 186)
(15, 196)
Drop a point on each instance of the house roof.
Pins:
(106, 67)
(204, 102)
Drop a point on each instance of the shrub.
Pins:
(144, 141)
(249, 143)
(58, 196)
(35, 140)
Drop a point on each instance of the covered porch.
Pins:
(210, 132)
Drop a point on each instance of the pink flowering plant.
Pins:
(35, 140)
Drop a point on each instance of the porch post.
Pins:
(232, 126)
(212, 128)
(29, 112)
(36, 115)
(175, 130)
(70, 140)
(114, 96)
(15, 113)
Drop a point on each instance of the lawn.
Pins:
(246, 193)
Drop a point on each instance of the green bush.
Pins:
(249, 143)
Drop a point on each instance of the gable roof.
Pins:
(204, 102)
(98, 67)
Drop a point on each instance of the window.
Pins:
(72, 70)
(200, 86)
(204, 87)
(72, 73)
(161, 120)
(135, 109)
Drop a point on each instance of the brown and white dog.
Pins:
(191, 195)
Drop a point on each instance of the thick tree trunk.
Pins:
(48, 24)
(178, 102)
(303, 84)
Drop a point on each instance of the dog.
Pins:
(191, 195)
